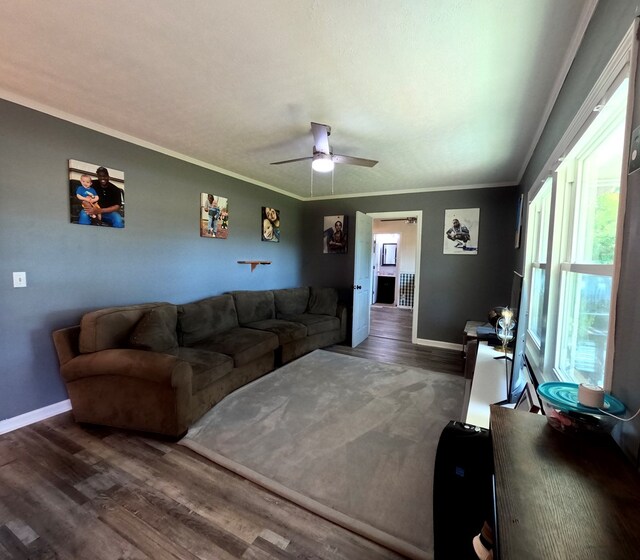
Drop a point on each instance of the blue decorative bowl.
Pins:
(566, 414)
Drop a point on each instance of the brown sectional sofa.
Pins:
(158, 367)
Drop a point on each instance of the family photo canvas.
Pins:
(270, 224)
(96, 194)
(214, 216)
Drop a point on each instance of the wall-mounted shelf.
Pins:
(254, 263)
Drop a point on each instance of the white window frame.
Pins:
(542, 353)
(538, 221)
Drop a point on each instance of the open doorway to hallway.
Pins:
(396, 269)
(389, 321)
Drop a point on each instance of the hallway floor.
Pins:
(390, 341)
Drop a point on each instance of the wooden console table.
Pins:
(560, 496)
(469, 333)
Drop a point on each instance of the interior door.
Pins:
(362, 279)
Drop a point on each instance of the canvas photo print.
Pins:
(335, 234)
(270, 224)
(461, 228)
(214, 216)
(96, 195)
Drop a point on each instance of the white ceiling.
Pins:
(444, 93)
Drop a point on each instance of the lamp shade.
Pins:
(322, 162)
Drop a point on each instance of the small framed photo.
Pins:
(335, 232)
(529, 401)
(214, 216)
(270, 224)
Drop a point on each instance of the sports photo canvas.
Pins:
(461, 228)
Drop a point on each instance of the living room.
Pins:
(159, 255)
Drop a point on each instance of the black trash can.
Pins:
(462, 490)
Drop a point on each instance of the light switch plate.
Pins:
(19, 279)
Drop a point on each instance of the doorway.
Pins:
(395, 262)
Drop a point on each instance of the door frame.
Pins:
(416, 294)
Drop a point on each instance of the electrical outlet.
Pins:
(19, 279)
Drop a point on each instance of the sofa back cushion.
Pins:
(291, 301)
(206, 318)
(323, 301)
(156, 331)
(111, 327)
(254, 306)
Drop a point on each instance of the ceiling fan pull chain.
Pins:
(311, 181)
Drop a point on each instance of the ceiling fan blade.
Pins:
(290, 160)
(321, 137)
(337, 158)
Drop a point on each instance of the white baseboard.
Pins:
(438, 344)
(34, 416)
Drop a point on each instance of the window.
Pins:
(590, 177)
(539, 215)
(572, 224)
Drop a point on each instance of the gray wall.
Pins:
(453, 288)
(158, 256)
(609, 24)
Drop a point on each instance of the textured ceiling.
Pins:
(444, 93)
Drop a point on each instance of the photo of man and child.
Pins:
(96, 194)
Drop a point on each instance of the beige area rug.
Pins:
(347, 438)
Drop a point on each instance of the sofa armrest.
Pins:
(66, 343)
(140, 364)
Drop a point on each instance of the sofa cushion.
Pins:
(286, 331)
(291, 301)
(207, 367)
(205, 318)
(316, 323)
(243, 345)
(254, 306)
(156, 331)
(323, 301)
(110, 327)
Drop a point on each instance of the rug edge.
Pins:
(364, 529)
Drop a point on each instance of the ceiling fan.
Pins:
(323, 159)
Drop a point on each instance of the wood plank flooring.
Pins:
(71, 492)
(390, 342)
(76, 492)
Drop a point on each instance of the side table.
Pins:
(469, 333)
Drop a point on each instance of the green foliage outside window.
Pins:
(606, 216)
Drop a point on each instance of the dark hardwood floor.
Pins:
(80, 492)
(390, 341)
(76, 492)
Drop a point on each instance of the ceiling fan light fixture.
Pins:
(322, 163)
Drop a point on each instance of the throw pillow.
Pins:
(156, 331)
(323, 301)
